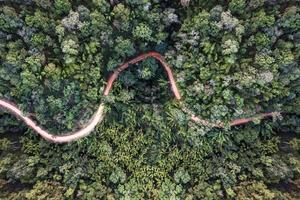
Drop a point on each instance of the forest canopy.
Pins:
(231, 59)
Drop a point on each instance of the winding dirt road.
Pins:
(99, 114)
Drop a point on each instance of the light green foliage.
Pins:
(118, 176)
(142, 31)
(237, 6)
(70, 49)
(121, 16)
(62, 6)
(45, 190)
(4, 144)
(181, 176)
(147, 69)
(261, 20)
(170, 191)
(43, 3)
(230, 47)
(102, 5)
(38, 20)
(231, 59)
(255, 190)
(295, 144)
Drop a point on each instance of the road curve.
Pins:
(99, 114)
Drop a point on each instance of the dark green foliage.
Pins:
(231, 59)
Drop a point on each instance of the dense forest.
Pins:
(231, 59)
